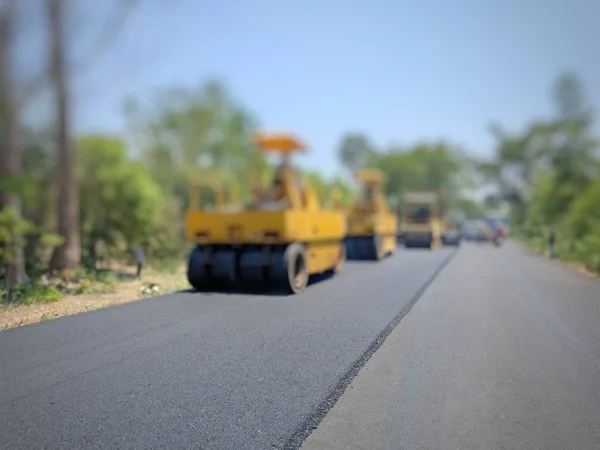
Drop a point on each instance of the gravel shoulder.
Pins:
(125, 291)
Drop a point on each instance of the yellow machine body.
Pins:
(280, 238)
(225, 198)
(335, 199)
(372, 227)
(321, 232)
(422, 223)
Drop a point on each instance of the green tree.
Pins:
(68, 255)
(468, 207)
(550, 163)
(424, 166)
(355, 151)
(186, 132)
(573, 154)
(120, 200)
(12, 257)
(439, 167)
(549, 175)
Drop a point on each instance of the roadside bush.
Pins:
(22, 294)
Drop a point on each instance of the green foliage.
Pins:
(15, 231)
(323, 188)
(584, 215)
(119, 199)
(425, 166)
(469, 207)
(185, 132)
(23, 294)
(12, 227)
(348, 194)
(18, 184)
(550, 177)
(355, 151)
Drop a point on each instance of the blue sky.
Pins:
(399, 71)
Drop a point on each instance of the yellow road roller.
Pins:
(372, 227)
(422, 219)
(224, 198)
(276, 241)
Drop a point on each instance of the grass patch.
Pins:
(23, 294)
(95, 307)
(183, 286)
(170, 267)
(48, 316)
(52, 289)
(583, 254)
(49, 289)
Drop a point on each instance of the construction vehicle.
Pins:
(224, 199)
(422, 219)
(372, 227)
(335, 197)
(279, 239)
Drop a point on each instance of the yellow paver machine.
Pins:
(276, 241)
(372, 227)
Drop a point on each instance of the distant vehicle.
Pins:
(498, 226)
(451, 234)
(372, 227)
(422, 219)
(477, 231)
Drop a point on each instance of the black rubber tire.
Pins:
(378, 252)
(295, 262)
(350, 247)
(197, 273)
(224, 270)
(252, 273)
(339, 267)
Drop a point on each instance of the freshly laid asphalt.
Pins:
(484, 347)
(202, 371)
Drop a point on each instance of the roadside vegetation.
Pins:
(549, 175)
(74, 207)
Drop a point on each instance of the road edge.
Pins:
(312, 422)
(569, 265)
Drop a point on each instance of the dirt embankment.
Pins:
(151, 284)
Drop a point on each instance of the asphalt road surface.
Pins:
(502, 349)
(501, 352)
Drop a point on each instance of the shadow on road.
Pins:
(262, 289)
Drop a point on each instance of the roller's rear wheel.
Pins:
(339, 267)
(392, 251)
(378, 251)
(297, 270)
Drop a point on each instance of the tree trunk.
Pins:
(11, 151)
(68, 255)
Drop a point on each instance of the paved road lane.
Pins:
(198, 371)
(502, 351)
